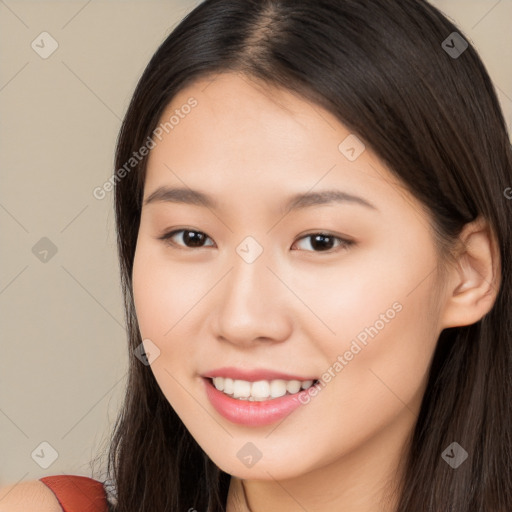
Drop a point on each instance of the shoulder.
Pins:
(31, 495)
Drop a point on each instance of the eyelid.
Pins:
(166, 237)
(344, 243)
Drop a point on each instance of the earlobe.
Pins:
(475, 279)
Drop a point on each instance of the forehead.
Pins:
(258, 138)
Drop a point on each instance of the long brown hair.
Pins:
(433, 116)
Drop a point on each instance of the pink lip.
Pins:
(252, 375)
(253, 414)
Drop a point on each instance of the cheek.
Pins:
(170, 299)
(163, 294)
(350, 295)
(385, 338)
(162, 297)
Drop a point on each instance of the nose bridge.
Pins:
(251, 306)
(249, 280)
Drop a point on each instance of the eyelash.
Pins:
(344, 243)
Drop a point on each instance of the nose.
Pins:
(252, 304)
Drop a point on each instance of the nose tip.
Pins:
(250, 306)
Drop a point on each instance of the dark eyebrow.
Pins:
(181, 195)
(298, 201)
(325, 197)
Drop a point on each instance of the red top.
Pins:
(77, 493)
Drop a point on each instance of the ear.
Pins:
(472, 284)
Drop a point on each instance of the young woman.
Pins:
(314, 229)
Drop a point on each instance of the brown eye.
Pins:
(190, 238)
(319, 242)
(324, 242)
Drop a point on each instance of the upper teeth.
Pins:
(259, 390)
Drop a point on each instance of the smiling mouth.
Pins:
(259, 391)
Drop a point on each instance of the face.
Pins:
(342, 291)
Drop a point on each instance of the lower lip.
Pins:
(253, 414)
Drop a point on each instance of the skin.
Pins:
(296, 307)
